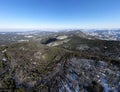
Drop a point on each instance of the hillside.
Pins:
(26, 64)
(30, 66)
(76, 65)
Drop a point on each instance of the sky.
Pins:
(38, 14)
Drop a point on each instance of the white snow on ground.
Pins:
(4, 59)
(28, 36)
(62, 37)
(4, 50)
(105, 85)
(104, 73)
(23, 40)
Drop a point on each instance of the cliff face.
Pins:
(30, 67)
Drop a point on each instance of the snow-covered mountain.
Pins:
(105, 34)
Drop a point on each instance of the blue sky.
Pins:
(59, 14)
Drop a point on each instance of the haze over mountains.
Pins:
(15, 36)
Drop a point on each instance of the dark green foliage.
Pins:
(95, 87)
(115, 62)
(48, 40)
